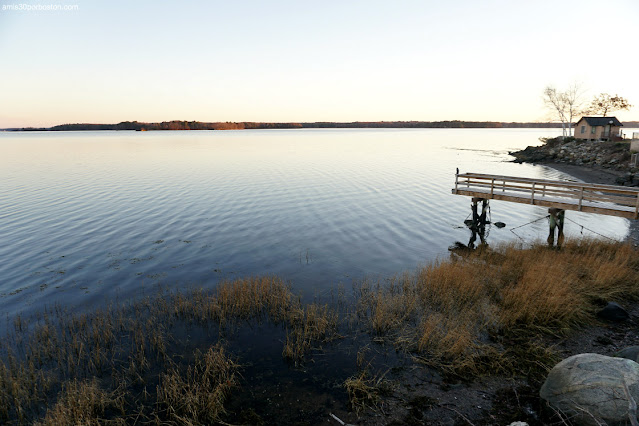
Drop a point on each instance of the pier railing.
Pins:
(593, 198)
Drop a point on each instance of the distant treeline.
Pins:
(198, 125)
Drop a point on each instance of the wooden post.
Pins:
(484, 210)
(551, 234)
(556, 220)
(532, 195)
(560, 226)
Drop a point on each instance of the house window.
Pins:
(583, 129)
(592, 130)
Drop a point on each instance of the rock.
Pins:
(591, 388)
(500, 224)
(565, 150)
(613, 312)
(631, 352)
(620, 180)
(530, 155)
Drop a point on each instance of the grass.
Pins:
(451, 313)
(198, 395)
(84, 403)
(144, 362)
(313, 323)
(365, 390)
(142, 359)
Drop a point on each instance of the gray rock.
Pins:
(620, 180)
(631, 352)
(591, 388)
(613, 312)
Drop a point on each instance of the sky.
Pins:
(302, 61)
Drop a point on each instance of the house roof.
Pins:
(601, 121)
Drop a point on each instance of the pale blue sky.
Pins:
(310, 61)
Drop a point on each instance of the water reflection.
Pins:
(478, 226)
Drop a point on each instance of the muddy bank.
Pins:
(587, 173)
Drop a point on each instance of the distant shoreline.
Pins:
(198, 125)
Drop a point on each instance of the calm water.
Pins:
(89, 217)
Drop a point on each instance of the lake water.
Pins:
(87, 218)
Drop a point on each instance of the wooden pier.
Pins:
(586, 197)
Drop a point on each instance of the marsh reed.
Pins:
(138, 362)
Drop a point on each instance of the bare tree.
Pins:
(567, 105)
(554, 101)
(603, 103)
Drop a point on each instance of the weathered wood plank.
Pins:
(566, 184)
(628, 214)
(594, 198)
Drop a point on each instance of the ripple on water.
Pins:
(89, 217)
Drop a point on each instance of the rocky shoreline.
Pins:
(609, 160)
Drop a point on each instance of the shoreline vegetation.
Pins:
(468, 339)
(197, 125)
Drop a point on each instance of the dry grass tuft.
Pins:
(365, 391)
(198, 396)
(84, 403)
(261, 297)
(448, 313)
(255, 296)
(311, 324)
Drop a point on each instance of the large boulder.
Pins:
(592, 388)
